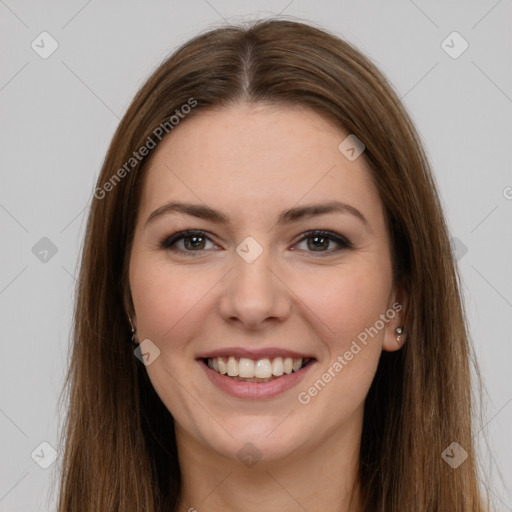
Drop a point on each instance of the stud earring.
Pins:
(399, 331)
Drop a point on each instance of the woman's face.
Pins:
(255, 291)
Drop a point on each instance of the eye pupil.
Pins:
(194, 242)
(315, 240)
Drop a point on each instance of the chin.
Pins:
(265, 439)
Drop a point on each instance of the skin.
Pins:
(251, 162)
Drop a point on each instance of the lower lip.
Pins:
(255, 390)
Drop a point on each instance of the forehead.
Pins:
(257, 158)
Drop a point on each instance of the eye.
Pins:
(190, 241)
(322, 241)
(195, 241)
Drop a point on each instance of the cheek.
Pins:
(347, 300)
(167, 299)
(345, 305)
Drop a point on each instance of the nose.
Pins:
(253, 294)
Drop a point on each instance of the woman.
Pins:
(268, 315)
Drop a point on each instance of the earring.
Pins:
(134, 332)
(399, 331)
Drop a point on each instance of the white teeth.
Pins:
(277, 367)
(223, 367)
(296, 364)
(232, 368)
(246, 368)
(263, 369)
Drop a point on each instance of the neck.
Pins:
(315, 479)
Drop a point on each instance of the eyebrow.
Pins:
(285, 217)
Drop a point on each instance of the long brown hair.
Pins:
(120, 452)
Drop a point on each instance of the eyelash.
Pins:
(168, 242)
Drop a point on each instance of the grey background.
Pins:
(59, 114)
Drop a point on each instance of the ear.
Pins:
(396, 313)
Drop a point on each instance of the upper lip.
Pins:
(263, 353)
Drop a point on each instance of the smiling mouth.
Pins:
(261, 370)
